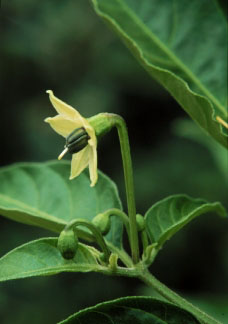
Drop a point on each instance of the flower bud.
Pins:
(113, 259)
(67, 244)
(140, 222)
(103, 222)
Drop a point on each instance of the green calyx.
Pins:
(102, 123)
(67, 243)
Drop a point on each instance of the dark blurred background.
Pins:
(64, 46)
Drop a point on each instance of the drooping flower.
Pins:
(80, 138)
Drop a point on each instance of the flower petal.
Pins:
(62, 125)
(62, 108)
(91, 132)
(93, 165)
(79, 162)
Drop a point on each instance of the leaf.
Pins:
(42, 257)
(128, 310)
(182, 44)
(41, 194)
(169, 215)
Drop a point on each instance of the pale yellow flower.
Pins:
(67, 120)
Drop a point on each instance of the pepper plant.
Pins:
(85, 212)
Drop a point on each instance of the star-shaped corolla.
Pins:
(67, 120)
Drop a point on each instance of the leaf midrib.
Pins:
(167, 51)
(56, 269)
(187, 218)
(31, 210)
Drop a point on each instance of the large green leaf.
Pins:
(41, 194)
(128, 310)
(182, 44)
(42, 257)
(169, 215)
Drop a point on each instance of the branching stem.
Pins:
(170, 295)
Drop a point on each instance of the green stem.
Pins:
(102, 123)
(138, 271)
(119, 213)
(119, 123)
(144, 239)
(170, 295)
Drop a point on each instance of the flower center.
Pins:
(75, 141)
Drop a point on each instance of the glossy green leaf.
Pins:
(182, 44)
(169, 215)
(42, 257)
(128, 310)
(41, 194)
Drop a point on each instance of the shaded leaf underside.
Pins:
(186, 53)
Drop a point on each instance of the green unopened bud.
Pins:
(113, 259)
(140, 222)
(67, 244)
(103, 222)
(75, 141)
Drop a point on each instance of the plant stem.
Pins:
(119, 123)
(170, 295)
(144, 239)
(138, 271)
